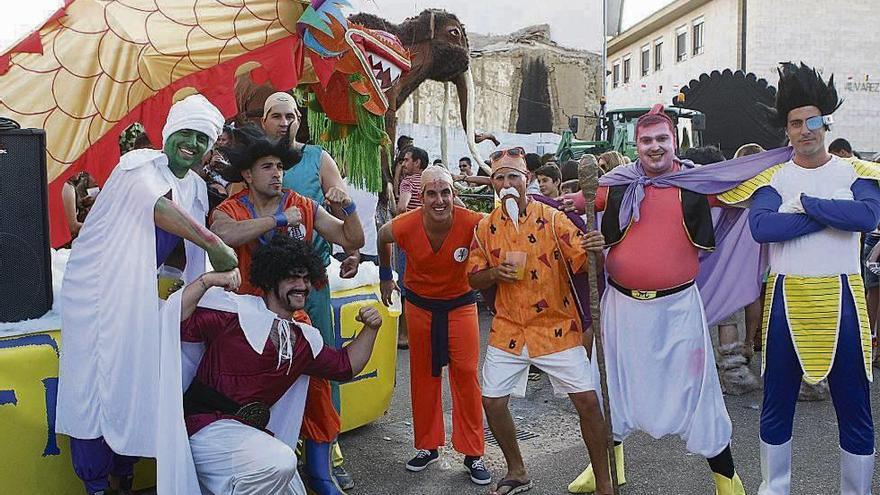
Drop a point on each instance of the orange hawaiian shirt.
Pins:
(538, 311)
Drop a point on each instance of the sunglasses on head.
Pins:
(516, 152)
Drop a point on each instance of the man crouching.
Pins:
(244, 407)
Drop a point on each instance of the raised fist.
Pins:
(370, 317)
(294, 216)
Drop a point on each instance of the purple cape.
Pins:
(730, 277)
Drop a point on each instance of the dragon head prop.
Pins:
(354, 67)
(370, 61)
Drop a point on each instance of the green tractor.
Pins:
(616, 131)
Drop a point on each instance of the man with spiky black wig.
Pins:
(810, 212)
(254, 368)
(254, 216)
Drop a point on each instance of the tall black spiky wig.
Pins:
(801, 86)
(242, 156)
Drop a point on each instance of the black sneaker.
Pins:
(422, 460)
(479, 474)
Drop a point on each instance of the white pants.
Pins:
(232, 458)
(507, 374)
(661, 370)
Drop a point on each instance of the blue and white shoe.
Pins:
(477, 469)
(423, 459)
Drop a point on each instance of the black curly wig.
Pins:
(801, 86)
(250, 149)
(282, 257)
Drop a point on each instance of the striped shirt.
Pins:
(413, 184)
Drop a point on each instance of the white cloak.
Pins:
(109, 363)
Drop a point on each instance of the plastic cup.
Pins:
(168, 278)
(396, 307)
(518, 259)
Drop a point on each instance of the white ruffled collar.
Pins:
(255, 319)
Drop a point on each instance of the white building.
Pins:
(652, 60)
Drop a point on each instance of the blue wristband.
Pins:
(350, 210)
(385, 273)
(280, 220)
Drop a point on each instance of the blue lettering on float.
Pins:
(337, 328)
(8, 397)
(49, 384)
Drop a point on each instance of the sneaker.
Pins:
(343, 478)
(422, 460)
(479, 474)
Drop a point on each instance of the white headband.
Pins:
(435, 173)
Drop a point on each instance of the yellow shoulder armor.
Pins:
(745, 190)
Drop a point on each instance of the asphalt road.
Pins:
(376, 454)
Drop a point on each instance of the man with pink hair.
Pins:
(660, 364)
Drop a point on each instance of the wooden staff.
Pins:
(588, 177)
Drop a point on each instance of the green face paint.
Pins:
(185, 149)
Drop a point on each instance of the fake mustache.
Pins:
(508, 191)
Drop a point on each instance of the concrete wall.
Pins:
(575, 89)
(494, 87)
(427, 136)
(574, 80)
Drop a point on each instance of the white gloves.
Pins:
(793, 205)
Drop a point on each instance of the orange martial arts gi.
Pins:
(437, 279)
(321, 421)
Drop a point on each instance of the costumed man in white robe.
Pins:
(245, 404)
(108, 398)
(810, 210)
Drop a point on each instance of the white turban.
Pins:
(196, 113)
(435, 173)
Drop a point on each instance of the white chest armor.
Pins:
(826, 252)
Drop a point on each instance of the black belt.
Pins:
(647, 295)
(439, 309)
(200, 398)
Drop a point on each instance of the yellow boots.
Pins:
(728, 486)
(586, 481)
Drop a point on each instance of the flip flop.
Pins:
(516, 486)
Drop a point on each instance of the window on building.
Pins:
(697, 37)
(626, 70)
(658, 55)
(681, 45)
(646, 60)
(615, 75)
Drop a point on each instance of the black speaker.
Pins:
(25, 260)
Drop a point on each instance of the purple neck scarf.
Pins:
(710, 179)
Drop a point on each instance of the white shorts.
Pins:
(507, 374)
